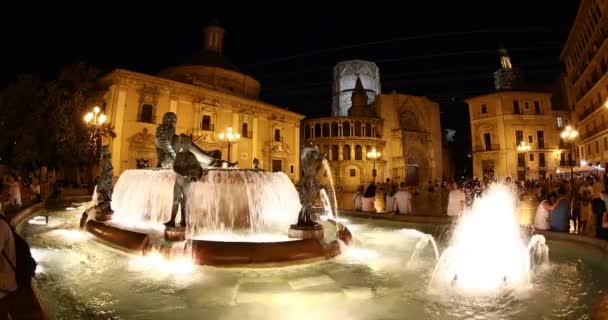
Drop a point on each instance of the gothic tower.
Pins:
(345, 75)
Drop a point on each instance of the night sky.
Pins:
(446, 53)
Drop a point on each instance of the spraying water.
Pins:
(222, 201)
(488, 250)
(423, 242)
(331, 184)
(327, 209)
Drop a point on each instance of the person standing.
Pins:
(14, 195)
(456, 200)
(8, 258)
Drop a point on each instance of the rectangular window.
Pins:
(605, 143)
(353, 172)
(484, 108)
(541, 159)
(530, 139)
(487, 140)
(531, 156)
(560, 122)
(519, 137)
(206, 123)
(597, 146)
(291, 169)
(521, 160)
(537, 107)
(147, 111)
(277, 165)
(516, 107)
(527, 105)
(540, 139)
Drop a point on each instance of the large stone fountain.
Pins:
(227, 216)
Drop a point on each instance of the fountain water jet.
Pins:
(330, 177)
(487, 251)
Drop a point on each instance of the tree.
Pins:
(42, 122)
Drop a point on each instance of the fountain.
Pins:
(227, 216)
(487, 251)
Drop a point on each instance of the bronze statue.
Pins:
(187, 169)
(104, 185)
(165, 133)
(311, 160)
(166, 147)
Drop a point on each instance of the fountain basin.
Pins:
(229, 253)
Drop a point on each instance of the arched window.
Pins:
(206, 123)
(357, 128)
(307, 131)
(358, 152)
(326, 129)
(334, 152)
(147, 111)
(346, 152)
(368, 129)
(345, 129)
(244, 130)
(334, 129)
(277, 135)
(317, 130)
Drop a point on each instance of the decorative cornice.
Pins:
(126, 77)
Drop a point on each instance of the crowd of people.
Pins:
(579, 206)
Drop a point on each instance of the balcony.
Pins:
(493, 147)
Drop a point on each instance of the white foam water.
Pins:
(488, 251)
(222, 201)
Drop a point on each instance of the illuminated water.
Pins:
(82, 279)
(223, 200)
(488, 251)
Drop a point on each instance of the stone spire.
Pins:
(359, 97)
(507, 77)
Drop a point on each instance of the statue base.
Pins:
(104, 215)
(175, 234)
(306, 232)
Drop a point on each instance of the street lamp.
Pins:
(95, 121)
(569, 135)
(523, 147)
(373, 154)
(231, 137)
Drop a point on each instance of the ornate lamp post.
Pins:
(231, 137)
(95, 121)
(569, 135)
(373, 154)
(523, 147)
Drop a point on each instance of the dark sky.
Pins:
(441, 51)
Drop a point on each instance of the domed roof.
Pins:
(212, 58)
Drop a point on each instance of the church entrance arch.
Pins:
(416, 169)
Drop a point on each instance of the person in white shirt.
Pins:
(14, 195)
(402, 202)
(541, 219)
(456, 200)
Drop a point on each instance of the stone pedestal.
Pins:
(306, 232)
(175, 234)
(104, 215)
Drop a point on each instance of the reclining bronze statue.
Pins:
(166, 147)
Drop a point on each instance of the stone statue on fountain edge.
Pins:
(311, 160)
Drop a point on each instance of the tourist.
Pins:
(541, 219)
(456, 200)
(8, 281)
(597, 205)
(390, 196)
(402, 202)
(35, 188)
(559, 217)
(358, 198)
(14, 195)
(368, 199)
(587, 222)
